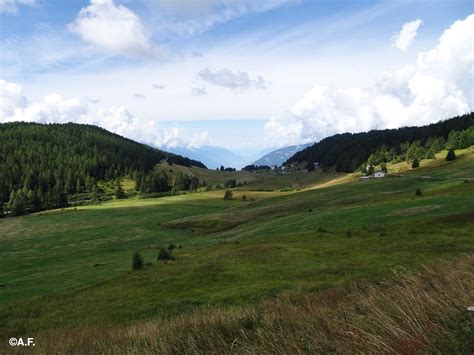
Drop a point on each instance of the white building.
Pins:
(376, 175)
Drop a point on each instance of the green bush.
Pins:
(228, 195)
(137, 261)
(171, 247)
(165, 254)
(415, 164)
(418, 192)
(230, 183)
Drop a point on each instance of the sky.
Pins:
(240, 74)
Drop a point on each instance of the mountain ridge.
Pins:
(280, 155)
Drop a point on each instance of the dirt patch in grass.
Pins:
(413, 210)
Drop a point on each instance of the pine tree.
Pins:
(17, 207)
(119, 193)
(451, 155)
(137, 261)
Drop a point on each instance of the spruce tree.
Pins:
(451, 155)
(119, 193)
(137, 261)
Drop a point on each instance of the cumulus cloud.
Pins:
(437, 86)
(11, 6)
(158, 87)
(11, 98)
(173, 137)
(407, 34)
(14, 106)
(115, 28)
(228, 79)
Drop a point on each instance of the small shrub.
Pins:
(349, 234)
(451, 155)
(171, 247)
(244, 198)
(466, 181)
(230, 183)
(137, 261)
(228, 195)
(418, 192)
(310, 210)
(165, 255)
(415, 164)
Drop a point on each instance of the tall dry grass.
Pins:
(413, 313)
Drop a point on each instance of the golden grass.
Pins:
(413, 313)
(403, 167)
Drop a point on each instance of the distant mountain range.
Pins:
(212, 157)
(279, 156)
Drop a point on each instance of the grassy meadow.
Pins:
(69, 270)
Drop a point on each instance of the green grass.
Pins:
(73, 267)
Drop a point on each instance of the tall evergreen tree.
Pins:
(451, 155)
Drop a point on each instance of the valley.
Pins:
(71, 267)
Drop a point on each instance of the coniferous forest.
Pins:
(41, 165)
(347, 152)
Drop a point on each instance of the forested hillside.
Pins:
(43, 164)
(347, 152)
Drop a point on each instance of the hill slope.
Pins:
(47, 162)
(346, 152)
(77, 275)
(279, 156)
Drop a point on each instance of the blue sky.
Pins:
(240, 74)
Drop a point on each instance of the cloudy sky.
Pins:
(240, 74)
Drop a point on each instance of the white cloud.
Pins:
(199, 91)
(437, 86)
(112, 27)
(14, 106)
(173, 137)
(138, 95)
(158, 87)
(404, 39)
(188, 17)
(11, 98)
(11, 6)
(228, 79)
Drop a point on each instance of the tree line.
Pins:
(42, 165)
(253, 167)
(348, 151)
